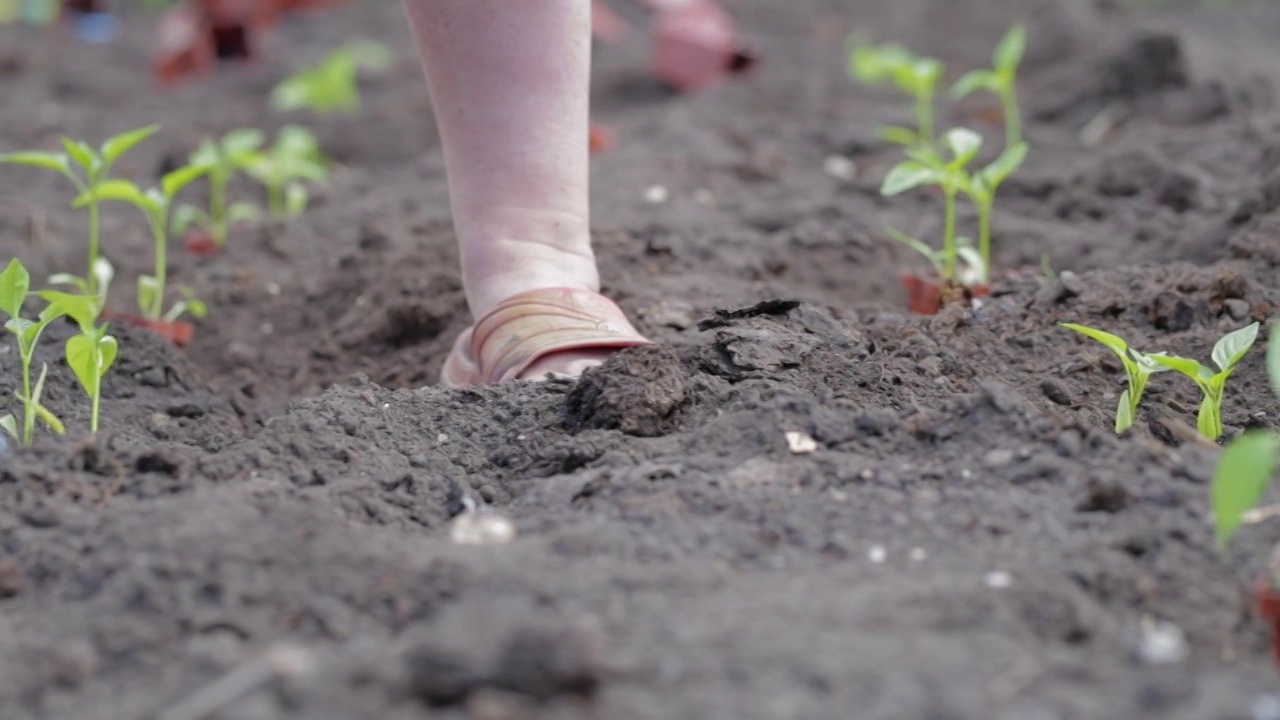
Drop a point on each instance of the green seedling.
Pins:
(156, 204)
(91, 353)
(1002, 80)
(982, 191)
(15, 284)
(912, 75)
(1227, 352)
(1247, 465)
(332, 86)
(1138, 367)
(970, 270)
(88, 170)
(294, 158)
(926, 167)
(223, 158)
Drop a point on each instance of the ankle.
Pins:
(516, 250)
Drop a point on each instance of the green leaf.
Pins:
(118, 191)
(1228, 351)
(1008, 163)
(907, 176)
(297, 141)
(205, 155)
(1241, 478)
(108, 348)
(963, 143)
(83, 309)
(173, 183)
(242, 212)
(83, 360)
(1186, 366)
(1209, 419)
(1124, 413)
(195, 305)
(1118, 346)
(244, 140)
(186, 216)
(57, 162)
(115, 148)
(49, 419)
(1009, 51)
(369, 54)
(925, 74)
(972, 82)
(918, 245)
(148, 286)
(898, 135)
(10, 426)
(83, 155)
(18, 326)
(1144, 362)
(15, 282)
(74, 281)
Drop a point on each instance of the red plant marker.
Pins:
(601, 138)
(927, 294)
(695, 44)
(184, 45)
(178, 332)
(200, 243)
(1267, 598)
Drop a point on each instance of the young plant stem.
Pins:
(949, 235)
(1012, 118)
(162, 261)
(28, 408)
(91, 277)
(275, 201)
(984, 232)
(924, 116)
(97, 398)
(218, 209)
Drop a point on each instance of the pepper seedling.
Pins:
(1138, 367)
(94, 168)
(926, 167)
(156, 204)
(1002, 80)
(1247, 465)
(1227, 352)
(295, 157)
(970, 270)
(331, 86)
(91, 353)
(982, 191)
(223, 158)
(911, 74)
(15, 284)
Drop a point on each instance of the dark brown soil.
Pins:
(969, 541)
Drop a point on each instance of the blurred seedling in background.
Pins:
(1138, 368)
(1227, 352)
(970, 269)
(925, 167)
(1247, 465)
(91, 353)
(284, 168)
(1002, 80)
(223, 159)
(156, 204)
(911, 74)
(15, 284)
(87, 170)
(333, 85)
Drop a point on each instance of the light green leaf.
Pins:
(15, 282)
(1241, 478)
(1008, 163)
(963, 143)
(907, 176)
(1186, 366)
(186, 216)
(244, 140)
(972, 82)
(1124, 412)
(195, 305)
(10, 426)
(119, 191)
(114, 148)
(1209, 419)
(1146, 364)
(918, 245)
(148, 287)
(243, 212)
(297, 141)
(1118, 346)
(83, 309)
(49, 419)
(1008, 53)
(173, 183)
(925, 74)
(1228, 351)
(206, 155)
(369, 54)
(83, 155)
(18, 326)
(295, 199)
(74, 281)
(57, 162)
(83, 360)
(108, 348)
(898, 135)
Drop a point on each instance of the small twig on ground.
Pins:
(279, 662)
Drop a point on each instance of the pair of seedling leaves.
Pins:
(89, 354)
(1140, 366)
(331, 86)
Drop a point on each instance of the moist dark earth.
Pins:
(264, 528)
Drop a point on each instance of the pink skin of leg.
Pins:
(509, 84)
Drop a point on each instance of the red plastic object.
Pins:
(178, 332)
(696, 44)
(601, 138)
(1267, 598)
(927, 294)
(201, 244)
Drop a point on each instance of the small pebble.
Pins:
(1237, 309)
(876, 554)
(474, 527)
(839, 496)
(998, 579)
(800, 443)
(273, 288)
(703, 196)
(919, 554)
(442, 438)
(1162, 643)
(997, 458)
(840, 167)
(1072, 285)
(268, 328)
(656, 194)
